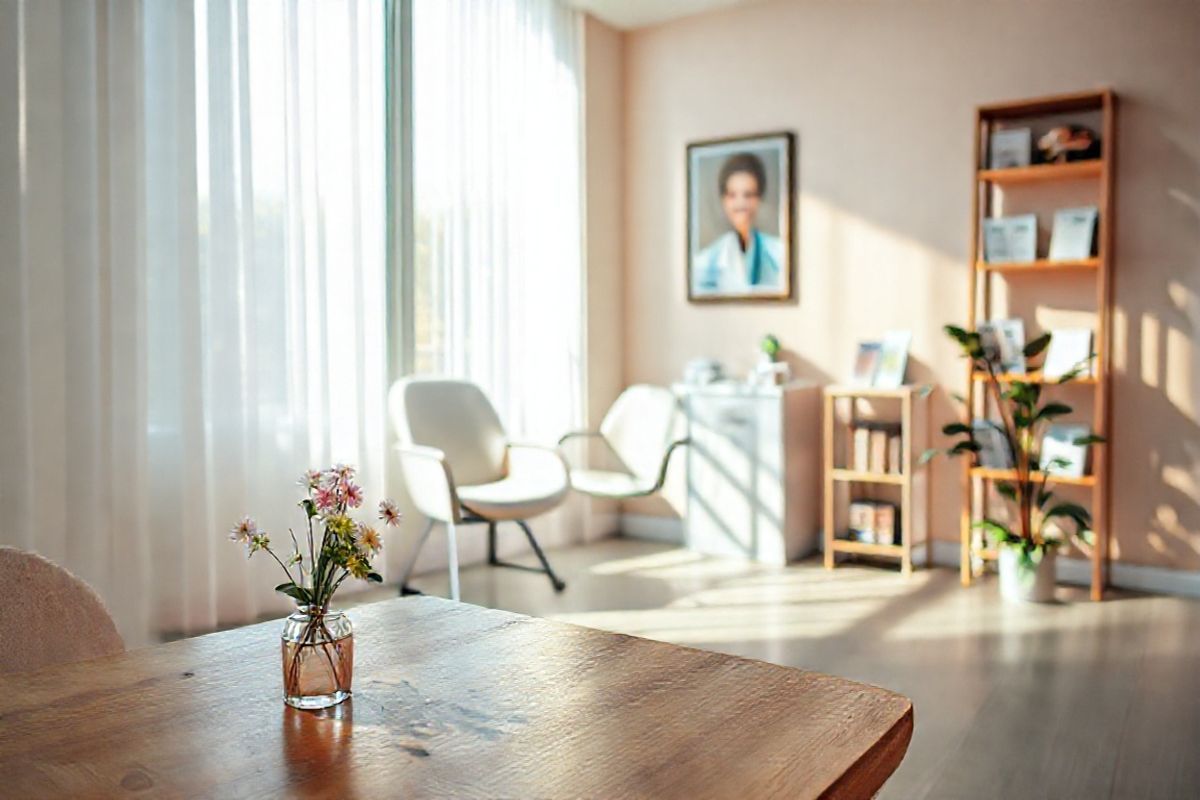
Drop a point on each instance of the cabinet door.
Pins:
(722, 472)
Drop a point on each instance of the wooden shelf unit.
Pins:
(913, 479)
(1098, 269)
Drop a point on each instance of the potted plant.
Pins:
(318, 642)
(1027, 540)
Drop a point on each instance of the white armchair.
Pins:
(461, 468)
(643, 428)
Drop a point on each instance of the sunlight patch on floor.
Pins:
(796, 604)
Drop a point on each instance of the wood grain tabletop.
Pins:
(450, 700)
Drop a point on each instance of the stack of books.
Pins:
(874, 522)
(876, 447)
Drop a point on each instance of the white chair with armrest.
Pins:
(643, 428)
(460, 468)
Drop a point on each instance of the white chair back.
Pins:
(49, 616)
(640, 426)
(455, 417)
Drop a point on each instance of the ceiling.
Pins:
(626, 14)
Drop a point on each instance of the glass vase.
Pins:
(318, 658)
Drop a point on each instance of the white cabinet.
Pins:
(752, 470)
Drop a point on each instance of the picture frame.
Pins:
(893, 360)
(1070, 351)
(1073, 236)
(1060, 455)
(740, 205)
(993, 444)
(1010, 239)
(1012, 147)
(866, 363)
(1003, 342)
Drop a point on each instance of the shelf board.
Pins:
(1040, 265)
(871, 391)
(1041, 173)
(864, 548)
(867, 477)
(989, 474)
(1035, 377)
(1051, 104)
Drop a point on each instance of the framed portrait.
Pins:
(740, 195)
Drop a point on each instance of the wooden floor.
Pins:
(1073, 700)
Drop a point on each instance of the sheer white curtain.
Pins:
(497, 197)
(192, 239)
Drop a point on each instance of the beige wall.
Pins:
(604, 111)
(880, 95)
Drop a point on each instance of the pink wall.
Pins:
(881, 96)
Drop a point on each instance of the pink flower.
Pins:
(325, 498)
(342, 471)
(310, 479)
(389, 513)
(352, 493)
(244, 531)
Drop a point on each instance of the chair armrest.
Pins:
(429, 482)
(577, 435)
(666, 462)
(523, 455)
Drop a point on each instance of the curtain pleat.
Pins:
(192, 239)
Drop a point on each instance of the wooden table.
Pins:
(450, 700)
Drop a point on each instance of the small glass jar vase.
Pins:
(318, 658)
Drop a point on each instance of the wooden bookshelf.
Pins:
(912, 479)
(1098, 270)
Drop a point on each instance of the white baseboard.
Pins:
(653, 528)
(1078, 572)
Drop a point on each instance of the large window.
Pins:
(497, 203)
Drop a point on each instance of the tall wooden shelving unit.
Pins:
(1097, 269)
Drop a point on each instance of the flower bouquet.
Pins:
(318, 643)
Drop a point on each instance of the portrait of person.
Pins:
(739, 218)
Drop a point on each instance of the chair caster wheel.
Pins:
(559, 586)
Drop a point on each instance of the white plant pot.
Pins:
(1021, 584)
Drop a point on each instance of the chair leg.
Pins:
(492, 544)
(412, 560)
(558, 584)
(452, 557)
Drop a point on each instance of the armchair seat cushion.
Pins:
(610, 483)
(519, 496)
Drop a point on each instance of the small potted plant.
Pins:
(1027, 541)
(318, 642)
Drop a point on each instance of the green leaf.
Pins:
(1051, 410)
(967, 446)
(954, 428)
(1091, 438)
(374, 577)
(929, 455)
(925, 390)
(1043, 496)
(1000, 531)
(298, 593)
(1035, 347)
(958, 397)
(309, 508)
(1006, 489)
(1021, 420)
(1073, 511)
